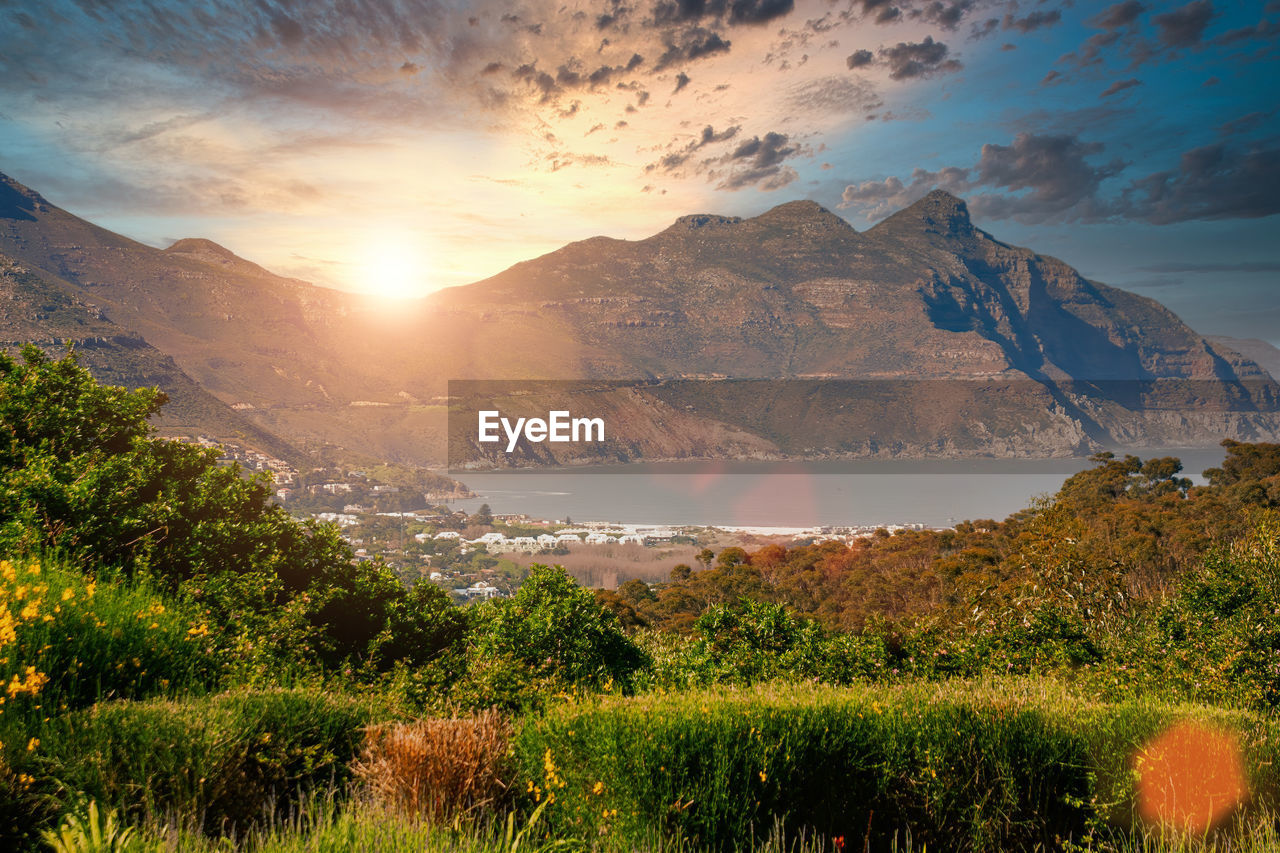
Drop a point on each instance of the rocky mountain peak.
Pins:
(939, 212)
(696, 221)
(200, 246)
(802, 213)
(210, 252)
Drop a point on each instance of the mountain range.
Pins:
(787, 334)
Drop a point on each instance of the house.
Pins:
(480, 589)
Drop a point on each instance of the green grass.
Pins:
(222, 762)
(981, 767)
(67, 642)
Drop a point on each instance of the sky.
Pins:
(408, 145)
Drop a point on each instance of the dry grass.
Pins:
(437, 769)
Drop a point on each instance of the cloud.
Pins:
(1218, 181)
(860, 59)
(1184, 27)
(1045, 177)
(835, 95)
(1056, 178)
(945, 15)
(558, 160)
(1120, 86)
(675, 159)
(732, 12)
(1118, 24)
(1031, 22)
(1245, 123)
(1053, 169)
(907, 60)
(758, 11)
(690, 45)
(1118, 16)
(759, 162)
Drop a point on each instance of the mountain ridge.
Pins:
(795, 293)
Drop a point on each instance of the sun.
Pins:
(395, 268)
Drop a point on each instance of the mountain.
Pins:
(718, 335)
(1262, 353)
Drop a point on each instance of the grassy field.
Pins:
(1025, 764)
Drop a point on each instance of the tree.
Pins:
(557, 629)
(483, 516)
(81, 474)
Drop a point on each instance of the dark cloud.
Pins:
(690, 45)
(670, 12)
(1218, 181)
(759, 162)
(1261, 30)
(682, 80)
(860, 59)
(1120, 86)
(1185, 26)
(879, 11)
(1031, 22)
(1119, 33)
(1245, 123)
(672, 161)
(410, 68)
(539, 81)
(758, 11)
(1118, 16)
(985, 28)
(945, 15)
(1053, 172)
(1054, 178)
(1044, 177)
(923, 59)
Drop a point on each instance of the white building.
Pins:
(479, 589)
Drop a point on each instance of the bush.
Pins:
(754, 641)
(81, 476)
(1219, 636)
(67, 642)
(220, 761)
(550, 636)
(437, 769)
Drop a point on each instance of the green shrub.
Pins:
(81, 475)
(752, 641)
(964, 768)
(67, 642)
(221, 761)
(1219, 636)
(551, 636)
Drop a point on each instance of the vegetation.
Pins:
(182, 662)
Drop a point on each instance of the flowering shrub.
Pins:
(67, 641)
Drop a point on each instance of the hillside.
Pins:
(794, 295)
